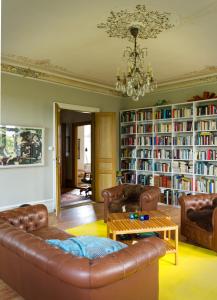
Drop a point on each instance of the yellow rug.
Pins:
(195, 277)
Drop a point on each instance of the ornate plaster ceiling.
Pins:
(62, 38)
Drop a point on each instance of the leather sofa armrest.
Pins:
(111, 194)
(126, 262)
(214, 224)
(29, 218)
(149, 198)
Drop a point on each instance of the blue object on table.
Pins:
(131, 216)
(144, 217)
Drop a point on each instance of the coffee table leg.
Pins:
(176, 245)
(114, 236)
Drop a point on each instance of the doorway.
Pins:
(75, 162)
(103, 146)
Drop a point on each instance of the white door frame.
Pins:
(67, 106)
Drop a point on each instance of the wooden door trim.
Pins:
(54, 147)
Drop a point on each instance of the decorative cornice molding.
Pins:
(45, 71)
(57, 78)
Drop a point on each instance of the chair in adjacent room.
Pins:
(130, 198)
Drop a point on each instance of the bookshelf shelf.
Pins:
(167, 140)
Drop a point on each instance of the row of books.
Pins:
(208, 154)
(206, 138)
(144, 115)
(182, 112)
(162, 154)
(163, 113)
(206, 125)
(126, 152)
(182, 167)
(163, 127)
(143, 128)
(182, 154)
(128, 141)
(144, 153)
(208, 109)
(183, 140)
(162, 181)
(162, 167)
(182, 182)
(145, 179)
(183, 126)
(128, 164)
(129, 177)
(206, 185)
(128, 116)
(145, 140)
(145, 165)
(130, 129)
(204, 168)
(163, 140)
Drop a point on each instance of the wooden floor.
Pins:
(76, 216)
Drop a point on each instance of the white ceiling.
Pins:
(63, 35)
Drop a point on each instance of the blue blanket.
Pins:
(88, 246)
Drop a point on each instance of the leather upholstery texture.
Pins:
(37, 270)
(143, 198)
(190, 229)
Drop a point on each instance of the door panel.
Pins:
(58, 156)
(105, 152)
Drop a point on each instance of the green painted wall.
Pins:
(28, 102)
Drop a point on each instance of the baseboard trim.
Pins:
(48, 202)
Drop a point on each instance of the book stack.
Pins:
(182, 154)
(183, 183)
(164, 113)
(128, 116)
(206, 138)
(130, 129)
(183, 126)
(145, 165)
(145, 141)
(163, 140)
(208, 154)
(145, 179)
(162, 167)
(206, 185)
(163, 127)
(183, 112)
(144, 115)
(206, 125)
(162, 181)
(128, 164)
(183, 140)
(182, 167)
(128, 141)
(144, 153)
(204, 110)
(143, 128)
(206, 168)
(126, 152)
(162, 153)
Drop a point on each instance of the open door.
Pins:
(58, 157)
(104, 152)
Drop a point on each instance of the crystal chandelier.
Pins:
(143, 24)
(137, 81)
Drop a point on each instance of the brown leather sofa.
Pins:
(38, 271)
(134, 196)
(196, 231)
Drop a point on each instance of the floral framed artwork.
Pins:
(21, 146)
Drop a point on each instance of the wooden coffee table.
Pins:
(119, 223)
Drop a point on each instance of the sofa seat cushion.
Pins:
(88, 246)
(51, 232)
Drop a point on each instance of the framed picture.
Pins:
(21, 146)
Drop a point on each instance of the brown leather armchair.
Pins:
(132, 196)
(198, 230)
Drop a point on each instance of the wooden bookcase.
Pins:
(171, 146)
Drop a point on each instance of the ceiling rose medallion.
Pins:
(137, 80)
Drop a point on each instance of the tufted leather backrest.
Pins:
(28, 218)
(195, 202)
